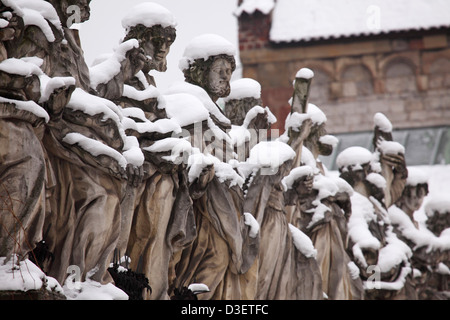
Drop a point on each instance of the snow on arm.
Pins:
(295, 174)
(244, 88)
(250, 221)
(103, 72)
(302, 242)
(94, 147)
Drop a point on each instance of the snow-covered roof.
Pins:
(306, 20)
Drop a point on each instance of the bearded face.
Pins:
(218, 78)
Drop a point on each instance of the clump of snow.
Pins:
(439, 204)
(353, 270)
(205, 46)
(150, 92)
(39, 13)
(421, 237)
(91, 290)
(382, 122)
(288, 181)
(49, 85)
(305, 73)
(244, 88)
(416, 176)
(24, 275)
(148, 14)
(329, 140)
(199, 93)
(198, 287)
(390, 147)
(250, 6)
(354, 158)
(29, 106)
(295, 120)
(92, 105)
(363, 213)
(185, 109)
(253, 112)
(94, 147)
(105, 71)
(270, 154)
(317, 116)
(250, 221)
(197, 162)
(377, 179)
(132, 152)
(20, 67)
(178, 147)
(302, 242)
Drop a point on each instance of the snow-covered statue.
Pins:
(383, 260)
(322, 209)
(250, 122)
(161, 219)
(437, 211)
(226, 244)
(22, 165)
(82, 173)
(430, 251)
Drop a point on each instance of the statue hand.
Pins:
(397, 162)
(58, 100)
(135, 175)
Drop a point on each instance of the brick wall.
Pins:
(407, 77)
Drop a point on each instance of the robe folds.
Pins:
(23, 173)
(223, 250)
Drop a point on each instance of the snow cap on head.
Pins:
(148, 14)
(205, 46)
(244, 88)
(354, 157)
(416, 176)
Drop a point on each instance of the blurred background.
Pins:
(368, 56)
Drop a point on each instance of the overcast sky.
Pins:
(103, 31)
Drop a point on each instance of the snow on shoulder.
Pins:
(148, 14)
(205, 46)
(302, 242)
(185, 109)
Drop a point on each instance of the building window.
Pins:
(400, 77)
(356, 81)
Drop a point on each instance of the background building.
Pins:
(368, 56)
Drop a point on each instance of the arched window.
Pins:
(356, 81)
(400, 77)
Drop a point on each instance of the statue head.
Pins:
(209, 63)
(213, 75)
(245, 94)
(155, 43)
(154, 27)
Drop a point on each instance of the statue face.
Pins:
(156, 44)
(84, 7)
(413, 198)
(218, 78)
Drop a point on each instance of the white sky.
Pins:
(103, 31)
